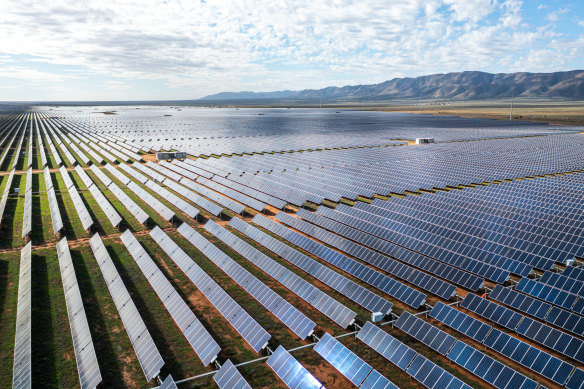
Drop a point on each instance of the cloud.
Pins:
(192, 48)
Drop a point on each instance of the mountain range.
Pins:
(468, 85)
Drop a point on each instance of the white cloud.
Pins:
(194, 48)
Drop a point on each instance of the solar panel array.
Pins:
(540, 333)
(423, 370)
(426, 333)
(87, 365)
(168, 383)
(22, 364)
(552, 295)
(109, 211)
(130, 204)
(53, 204)
(348, 363)
(374, 278)
(187, 208)
(146, 351)
(27, 212)
(350, 230)
(290, 371)
(394, 288)
(328, 306)
(82, 212)
(153, 202)
(420, 279)
(254, 334)
(5, 194)
(530, 357)
(283, 310)
(228, 377)
(207, 205)
(557, 316)
(336, 281)
(195, 333)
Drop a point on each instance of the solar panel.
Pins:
(388, 285)
(513, 348)
(101, 175)
(418, 278)
(255, 335)
(273, 302)
(168, 383)
(22, 374)
(389, 347)
(187, 208)
(218, 198)
(556, 340)
(210, 207)
(87, 366)
(150, 172)
(343, 359)
(576, 381)
(228, 377)
(56, 219)
(532, 358)
(117, 174)
(146, 351)
(461, 322)
(519, 301)
(244, 199)
(488, 369)
(194, 331)
(341, 284)
(331, 308)
(138, 176)
(27, 214)
(152, 201)
(494, 312)
(290, 371)
(5, 194)
(425, 332)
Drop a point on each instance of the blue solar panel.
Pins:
(559, 341)
(394, 288)
(402, 356)
(461, 322)
(291, 371)
(443, 270)
(494, 312)
(529, 356)
(343, 359)
(576, 381)
(418, 278)
(488, 369)
(425, 332)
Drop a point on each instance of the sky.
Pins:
(161, 50)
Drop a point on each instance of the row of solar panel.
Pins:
(360, 373)
(539, 309)
(279, 307)
(195, 333)
(374, 278)
(478, 363)
(423, 370)
(561, 342)
(420, 279)
(244, 324)
(532, 358)
(144, 347)
(341, 284)
(414, 242)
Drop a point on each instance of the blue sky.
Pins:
(154, 50)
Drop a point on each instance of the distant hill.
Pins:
(454, 86)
